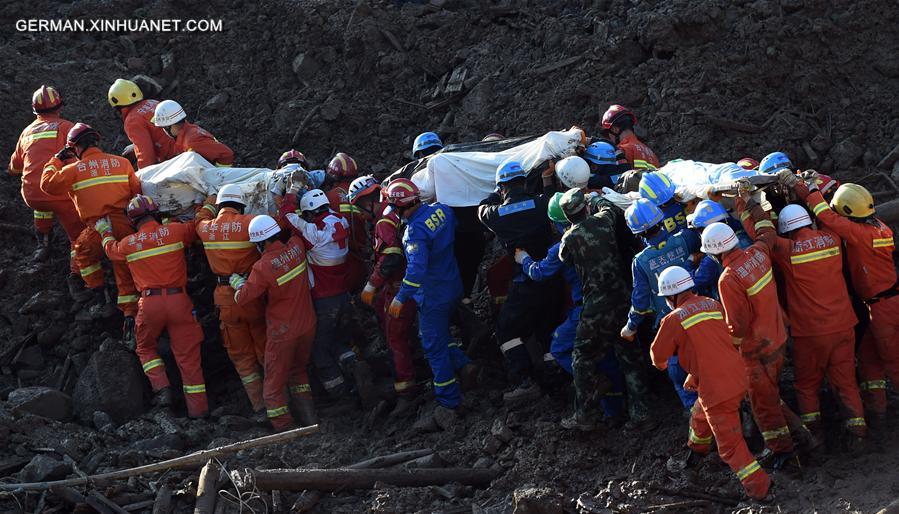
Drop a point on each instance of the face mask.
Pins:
(168, 130)
(669, 303)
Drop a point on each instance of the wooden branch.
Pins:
(889, 159)
(163, 502)
(72, 496)
(306, 502)
(385, 461)
(141, 505)
(207, 488)
(192, 461)
(338, 479)
(686, 493)
(111, 505)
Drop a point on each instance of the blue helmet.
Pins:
(708, 212)
(656, 187)
(601, 153)
(509, 170)
(426, 140)
(774, 162)
(642, 215)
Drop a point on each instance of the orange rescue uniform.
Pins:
(695, 331)
(228, 249)
(37, 144)
(281, 275)
(151, 144)
(100, 184)
(869, 254)
(193, 138)
(155, 255)
(820, 313)
(638, 155)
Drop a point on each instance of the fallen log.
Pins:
(192, 461)
(385, 461)
(339, 479)
(74, 497)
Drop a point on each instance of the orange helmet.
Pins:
(748, 163)
(402, 192)
(615, 113)
(342, 166)
(45, 99)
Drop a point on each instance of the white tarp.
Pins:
(463, 179)
(189, 178)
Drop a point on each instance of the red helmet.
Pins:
(342, 166)
(78, 132)
(748, 163)
(614, 113)
(292, 157)
(402, 192)
(140, 206)
(45, 99)
(826, 183)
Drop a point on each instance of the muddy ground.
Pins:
(711, 81)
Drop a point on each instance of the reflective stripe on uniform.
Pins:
(548, 357)
(776, 433)
(749, 469)
(302, 388)
(227, 245)
(274, 413)
(392, 250)
(744, 215)
(47, 134)
(127, 298)
(871, 385)
(640, 164)
(155, 363)
(700, 317)
(455, 344)
(413, 284)
(638, 311)
(153, 252)
(292, 274)
(43, 215)
(764, 224)
(331, 384)
(815, 256)
(99, 181)
(194, 389)
(883, 243)
(855, 422)
(819, 208)
(386, 220)
(444, 384)
(402, 386)
(252, 377)
(345, 207)
(695, 439)
(508, 345)
(90, 269)
(211, 208)
(811, 416)
(107, 239)
(756, 288)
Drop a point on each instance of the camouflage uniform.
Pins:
(590, 246)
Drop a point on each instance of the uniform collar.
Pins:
(630, 137)
(277, 246)
(48, 116)
(90, 151)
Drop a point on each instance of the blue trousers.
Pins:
(444, 357)
(677, 376)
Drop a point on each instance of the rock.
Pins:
(149, 86)
(536, 500)
(235, 423)
(492, 445)
(477, 102)
(791, 6)
(483, 462)
(136, 64)
(501, 431)
(172, 441)
(42, 301)
(330, 111)
(845, 153)
(103, 421)
(119, 394)
(30, 358)
(43, 467)
(446, 418)
(168, 65)
(80, 343)
(50, 336)
(41, 401)
(217, 102)
(305, 66)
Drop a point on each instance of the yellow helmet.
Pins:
(853, 200)
(124, 92)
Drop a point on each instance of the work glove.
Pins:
(296, 220)
(550, 170)
(103, 226)
(236, 281)
(65, 154)
(811, 177)
(520, 255)
(627, 334)
(787, 178)
(744, 185)
(297, 181)
(395, 308)
(690, 384)
(368, 294)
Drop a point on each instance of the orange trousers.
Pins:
(64, 211)
(831, 355)
(285, 368)
(722, 422)
(243, 334)
(172, 313)
(398, 332)
(764, 398)
(88, 252)
(878, 354)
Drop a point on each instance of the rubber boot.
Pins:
(96, 308)
(404, 404)
(165, 397)
(468, 376)
(77, 291)
(129, 339)
(362, 377)
(305, 410)
(42, 252)
(525, 391)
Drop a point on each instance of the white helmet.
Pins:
(792, 217)
(362, 186)
(574, 172)
(674, 280)
(263, 227)
(312, 200)
(230, 193)
(718, 238)
(168, 112)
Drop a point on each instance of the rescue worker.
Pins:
(708, 270)
(432, 281)
(151, 144)
(383, 284)
(774, 163)
(343, 170)
(748, 163)
(155, 255)
(224, 230)
(325, 234)
(293, 157)
(519, 221)
(39, 141)
(605, 170)
(869, 248)
(695, 331)
(573, 173)
(756, 324)
(425, 144)
(658, 189)
(100, 185)
(821, 317)
(618, 122)
(282, 277)
(590, 246)
(170, 117)
(663, 249)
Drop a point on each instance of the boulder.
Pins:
(42, 301)
(43, 467)
(846, 153)
(41, 401)
(536, 500)
(217, 102)
(112, 382)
